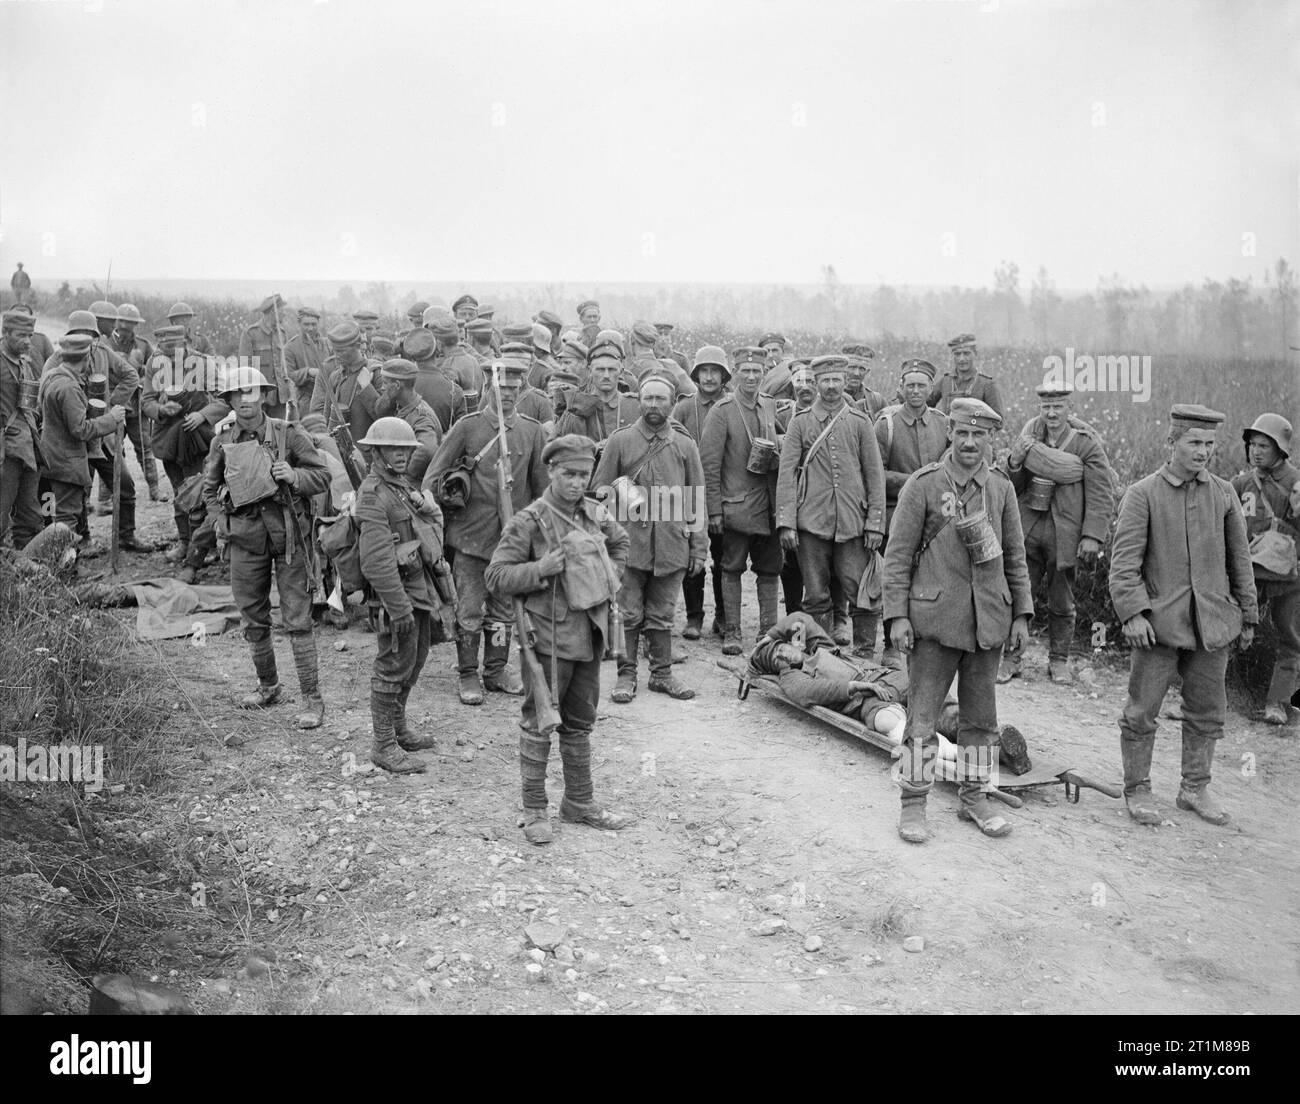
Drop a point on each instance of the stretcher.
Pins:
(1052, 774)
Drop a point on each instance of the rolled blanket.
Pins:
(1054, 464)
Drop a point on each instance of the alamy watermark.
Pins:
(53, 763)
(1129, 374)
(172, 374)
(634, 504)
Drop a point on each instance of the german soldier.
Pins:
(479, 331)
(438, 390)
(660, 458)
(305, 356)
(953, 606)
(830, 502)
(664, 349)
(589, 320)
(347, 393)
(1054, 457)
(260, 474)
(19, 431)
(530, 400)
(964, 379)
(414, 318)
(400, 539)
(601, 409)
(710, 375)
(534, 559)
(400, 400)
(456, 363)
(1182, 585)
(774, 346)
(644, 359)
(264, 339)
(911, 435)
(740, 476)
(42, 348)
(474, 529)
(1270, 500)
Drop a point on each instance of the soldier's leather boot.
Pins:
(579, 805)
(840, 628)
(178, 552)
(268, 690)
(1060, 634)
(407, 738)
(263, 696)
(911, 818)
(731, 613)
(1010, 666)
(469, 687)
(662, 679)
(1275, 713)
(694, 628)
(625, 687)
(767, 598)
(1013, 751)
(534, 751)
(304, 659)
(679, 656)
(384, 752)
(1135, 753)
(864, 634)
(1194, 793)
(981, 812)
(155, 495)
(497, 675)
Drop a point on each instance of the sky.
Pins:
(915, 142)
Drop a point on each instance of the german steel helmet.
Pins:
(1275, 427)
(390, 433)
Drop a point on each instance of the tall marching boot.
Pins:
(767, 597)
(625, 688)
(468, 686)
(731, 614)
(497, 675)
(304, 659)
(662, 679)
(407, 738)
(1194, 793)
(1135, 752)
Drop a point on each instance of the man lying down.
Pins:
(807, 667)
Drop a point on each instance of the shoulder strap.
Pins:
(822, 436)
(961, 505)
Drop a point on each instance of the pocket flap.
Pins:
(925, 593)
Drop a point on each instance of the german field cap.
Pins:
(974, 412)
(383, 344)
(129, 312)
(645, 333)
(1054, 390)
(831, 362)
(344, 334)
(510, 370)
(518, 331)
(852, 360)
(520, 349)
(365, 315)
(76, 344)
(418, 344)
(612, 340)
(479, 327)
(465, 300)
(572, 347)
(1193, 414)
(541, 336)
(586, 305)
(417, 309)
(962, 341)
(84, 321)
(308, 312)
(858, 349)
(769, 338)
(16, 320)
(664, 327)
(399, 368)
(749, 354)
(572, 446)
(443, 327)
(170, 333)
(562, 373)
(102, 308)
(436, 313)
(181, 310)
(487, 311)
(710, 354)
(270, 303)
(550, 320)
(656, 375)
(605, 356)
(915, 364)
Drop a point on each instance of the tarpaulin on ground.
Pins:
(167, 608)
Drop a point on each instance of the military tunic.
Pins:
(908, 442)
(306, 361)
(980, 386)
(419, 415)
(347, 395)
(19, 435)
(258, 341)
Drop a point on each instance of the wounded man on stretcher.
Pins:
(809, 670)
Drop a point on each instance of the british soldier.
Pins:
(1182, 586)
(474, 529)
(964, 379)
(260, 474)
(1270, 500)
(1068, 529)
(440, 392)
(660, 459)
(400, 532)
(347, 393)
(138, 352)
(710, 375)
(182, 314)
(740, 500)
(953, 607)
(399, 399)
(305, 356)
(19, 431)
(531, 561)
(830, 503)
(264, 340)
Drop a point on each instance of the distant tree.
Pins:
(378, 297)
(1043, 300)
(1284, 288)
(347, 301)
(1006, 281)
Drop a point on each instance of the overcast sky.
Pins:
(914, 141)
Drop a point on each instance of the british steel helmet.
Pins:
(390, 433)
(243, 377)
(129, 312)
(102, 308)
(181, 310)
(1276, 428)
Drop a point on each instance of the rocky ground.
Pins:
(763, 873)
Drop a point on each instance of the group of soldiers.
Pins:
(574, 483)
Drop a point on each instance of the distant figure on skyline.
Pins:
(21, 284)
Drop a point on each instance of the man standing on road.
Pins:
(911, 435)
(1182, 586)
(830, 501)
(662, 461)
(1052, 457)
(20, 284)
(964, 379)
(740, 490)
(953, 605)
(260, 475)
(1270, 499)
(531, 561)
(602, 409)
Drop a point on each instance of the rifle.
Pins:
(353, 462)
(548, 717)
(291, 399)
(292, 529)
(119, 439)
